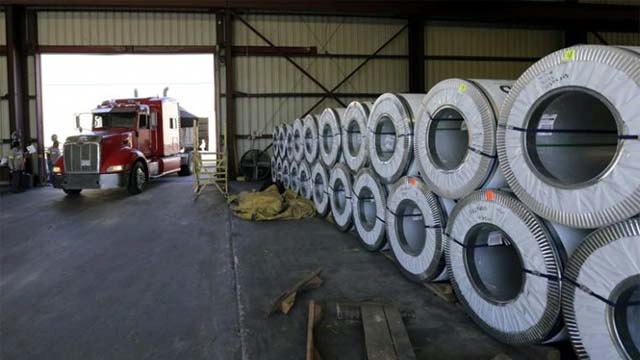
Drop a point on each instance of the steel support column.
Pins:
(417, 81)
(230, 127)
(15, 19)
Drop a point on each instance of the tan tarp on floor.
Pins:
(270, 205)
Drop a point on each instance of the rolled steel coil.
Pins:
(274, 169)
(390, 131)
(279, 166)
(275, 141)
(289, 155)
(282, 141)
(369, 198)
(298, 140)
(294, 177)
(455, 143)
(330, 136)
(601, 296)
(304, 179)
(310, 133)
(286, 178)
(340, 190)
(355, 147)
(505, 265)
(320, 181)
(415, 222)
(568, 136)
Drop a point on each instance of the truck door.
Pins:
(144, 135)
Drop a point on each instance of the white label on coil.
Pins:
(463, 126)
(417, 215)
(546, 123)
(85, 162)
(494, 238)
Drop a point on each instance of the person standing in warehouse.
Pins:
(16, 166)
(53, 154)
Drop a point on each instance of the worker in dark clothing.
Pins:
(53, 154)
(16, 166)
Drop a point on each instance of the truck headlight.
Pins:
(56, 170)
(115, 168)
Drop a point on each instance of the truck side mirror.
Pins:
(78, 123)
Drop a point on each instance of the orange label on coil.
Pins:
(490, 195)
(413, 181)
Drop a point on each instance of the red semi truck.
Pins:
(131, 142)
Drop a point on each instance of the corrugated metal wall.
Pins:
(455, 42)
(125, 28)
(4, 89)
(615, 38)
(331, 35)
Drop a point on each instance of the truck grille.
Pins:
(82, 158)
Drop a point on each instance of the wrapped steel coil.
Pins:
(329, 136)
(390, 131)
(415, 222)
(298, 140)
(568, 136)
(289, 155)
(275, 141)
(286, 178)
(274, 169)
(282, 141)
(455, 144)
(369, 198)
(355, 148)
(294, 177)
(304, 179)
(320, 181)
(601, 295)
(279, 163)
(310, 133)
(505, 265)
(340, 189)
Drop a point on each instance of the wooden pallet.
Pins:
(385, 335)
(442, 289)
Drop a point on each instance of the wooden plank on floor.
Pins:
(310, 327)
(443, 290)
(376, 333)
(404, 350)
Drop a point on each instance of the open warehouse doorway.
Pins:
(78, 83)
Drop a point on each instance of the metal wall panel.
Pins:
(331, 35)
(615, 38)
(125, 28)
(3, 35)
(440, 70)
(5, 132)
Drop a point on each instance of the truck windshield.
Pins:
(114, 120)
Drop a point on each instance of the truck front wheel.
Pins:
(137, 178)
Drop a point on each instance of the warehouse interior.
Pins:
(364, 115)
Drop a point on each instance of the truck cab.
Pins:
(131, 141)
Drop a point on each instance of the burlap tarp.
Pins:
(271, 205)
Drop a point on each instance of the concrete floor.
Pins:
(158, 276)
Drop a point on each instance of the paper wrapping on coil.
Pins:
(274, 169)
(286, 178)
(298, 140)
(340, 194)
(275, 141)
(279, 170)
(289, 142)
(602, 263)
(612, 75)
(294, 181)
(424, 259)
(304, 178)
(320, 181)
(330, 136)
(390, 131)
(310, 133)
(282, 141)
(355, 147)
(369, 198)
(454, 136)
(533, 314)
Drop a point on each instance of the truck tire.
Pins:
(137, 179)
(186, 170)
(72, 192)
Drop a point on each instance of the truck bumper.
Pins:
(91, 181)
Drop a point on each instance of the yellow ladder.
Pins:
(210, 168)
